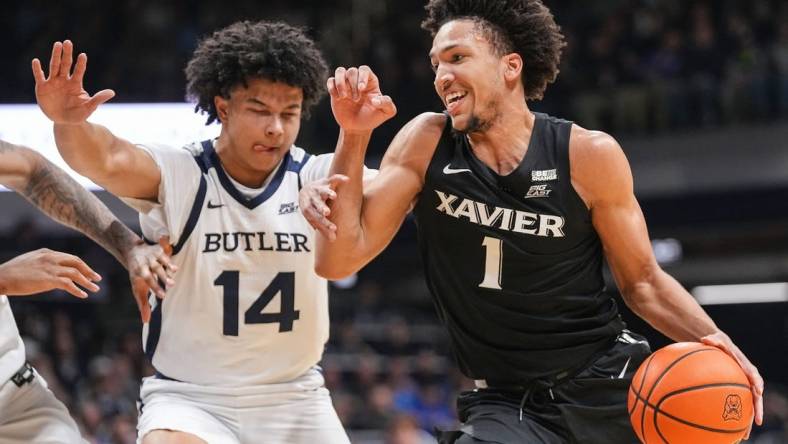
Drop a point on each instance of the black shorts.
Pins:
(588, 408)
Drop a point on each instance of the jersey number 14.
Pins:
(283, 283)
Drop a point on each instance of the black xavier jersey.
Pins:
(513, 262)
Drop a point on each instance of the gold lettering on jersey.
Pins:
(479, 213)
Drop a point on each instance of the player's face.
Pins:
(468, 76)
(261, 121)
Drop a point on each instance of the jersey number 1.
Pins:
(283, 283)
(492, 263)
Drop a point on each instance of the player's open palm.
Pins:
(61, 96)
(43, 270)
(356, 100)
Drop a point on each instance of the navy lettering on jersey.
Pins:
(245, 241)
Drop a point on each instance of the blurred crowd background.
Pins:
(659, 74)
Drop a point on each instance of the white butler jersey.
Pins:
(247, 307)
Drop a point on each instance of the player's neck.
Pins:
(234, 166)
(504, 143)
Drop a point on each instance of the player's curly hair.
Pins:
(246, 50)
(526, 27)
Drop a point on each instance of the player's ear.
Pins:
(513, 66)
(222, 105)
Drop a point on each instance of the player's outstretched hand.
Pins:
(43, 270)
(61, 95)
(150, 269)
(356, 100)
(723, 342)
(312, 201)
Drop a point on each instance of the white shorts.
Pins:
(295, 412)
(32, 414)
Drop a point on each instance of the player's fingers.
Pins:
(385, 105)
(68, 285)
(169, 268)
(78, 278)
(756, 381)
(38, 73)
(67, 59)
(54, 60)
(326, 228)
(312, 216)
(331, 86)
(99, 98)
(351, 77)
(160, 272)
(151, 280)
(80, 67)
(340, 82)
(326, 193)
(319, 205)
(756, 385)
(165, 260)
(363, 77)
(69, 260)
(372, 78)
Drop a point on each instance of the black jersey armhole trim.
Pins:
(564, 158)
(448, 138)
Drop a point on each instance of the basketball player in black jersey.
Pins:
(515, 212)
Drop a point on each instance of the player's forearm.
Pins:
(63, 199)
(662, 302)
(341, 257)
(87, 148)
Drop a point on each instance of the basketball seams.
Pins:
(642, 381)
(654, 386)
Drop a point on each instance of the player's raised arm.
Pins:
(366, 218)
(601, 174)
(60, 197)
(90, 149)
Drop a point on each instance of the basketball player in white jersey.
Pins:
(29, 411)
(237, 339)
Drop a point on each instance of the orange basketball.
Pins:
(690, 393)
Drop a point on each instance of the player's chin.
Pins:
(264, 161)
(459, 122)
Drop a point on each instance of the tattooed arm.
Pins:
(59, 196)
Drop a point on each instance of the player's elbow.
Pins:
(19, 175)
(640, 293)
(333, 270)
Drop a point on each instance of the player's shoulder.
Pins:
(428, 124)
(421, 134)
(157, 149)
(300, 155)
(592, 146)
(598, 165)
